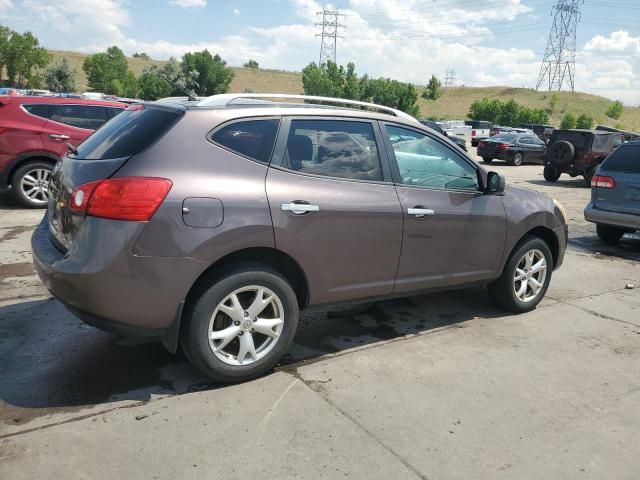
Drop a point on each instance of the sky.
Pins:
(486, 42)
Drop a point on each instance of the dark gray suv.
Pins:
(211, 223)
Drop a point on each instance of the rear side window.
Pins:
(600, 143)
(625, 158)
(126, 134)
(88, 117)
(251, 138)
(44, 110)
(333, 148)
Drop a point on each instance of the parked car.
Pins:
(628, 136)
(515, 148)
(93, 95)
(578, 152)
(12, 92)
(615, 194)
(543, 132)
(212, 223)
(479, 130)
(455, 128)
(34, 133)
(460, 142)
(498, 130)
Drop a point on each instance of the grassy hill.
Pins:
(454, 104)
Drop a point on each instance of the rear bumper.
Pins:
(616, 219)
(101, 282)
(497, 154)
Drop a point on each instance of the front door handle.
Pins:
(299, 208)
(420, 211)
(58, 136)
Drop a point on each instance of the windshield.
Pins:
(126, 134)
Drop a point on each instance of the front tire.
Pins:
(525, 278)
(518, 159)
(551, 173)
(609, 234)
(30, 184)
(240, 324)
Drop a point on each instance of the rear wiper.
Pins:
(72, 149)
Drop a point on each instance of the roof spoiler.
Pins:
(226, 99)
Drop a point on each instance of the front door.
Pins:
(453, 234)
(532, 147)
(334, 207)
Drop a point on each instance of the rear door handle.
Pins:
(420, 212)
(299, 208)
(58, 136)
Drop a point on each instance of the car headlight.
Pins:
(562, 210)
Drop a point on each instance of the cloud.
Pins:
(617, 42)
(189, 3)
(236, 12)
(5, 5)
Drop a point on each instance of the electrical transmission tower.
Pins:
(330, 26)
(450, 78)
(559, 60)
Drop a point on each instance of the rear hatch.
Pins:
(623, 166)
(99, 157)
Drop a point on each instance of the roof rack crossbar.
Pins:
(226, 99)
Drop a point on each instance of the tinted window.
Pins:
(580, 140)
(529, 140)
(113, 111)
(600, 143)
(81, 116)
(334, 148)
(252, 138)
(617, 140)
(505, 137)
(625, 158)
(425, 162)
(126, 134)
(45, 110)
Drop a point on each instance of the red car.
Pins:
(34, 133)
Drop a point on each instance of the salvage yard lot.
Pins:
(434, 386)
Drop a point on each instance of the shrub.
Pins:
(584, 121)
(615, 110)
(568, 121)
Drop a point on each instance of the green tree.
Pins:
(206, 74)
(568, 121)
(24, 59)
(5, 35)
(251, 64)
(553, 102)
(153, 84)
(141, 55)
(60, 77)
(615, 110)
(584, 121)
(108, 72)
(433, 91)
(391, 93)
(508, 113)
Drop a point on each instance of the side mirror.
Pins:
(495, 183)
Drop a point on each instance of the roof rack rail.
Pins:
(225, 99)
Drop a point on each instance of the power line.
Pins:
(329, 34)
(559, 60)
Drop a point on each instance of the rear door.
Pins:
(532, 147)
(72, 124)
(334, 207)
(624, 166)
(453, 234)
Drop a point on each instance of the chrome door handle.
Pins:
(299, 208)
(420, 211)
(58, 136)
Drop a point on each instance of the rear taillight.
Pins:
(502, 146)
(127, 198)
(603, 182)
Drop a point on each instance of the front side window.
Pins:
(251, 138)
(333, 148)
(425, 162)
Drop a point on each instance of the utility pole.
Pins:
(329, 34)
(450, 78)
(559, 60)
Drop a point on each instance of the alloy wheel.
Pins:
(529, 277)
(35, 185)
(246, 325)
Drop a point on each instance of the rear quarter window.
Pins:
(625, 158)
(250, 138)
(128, 133)
(43, 110)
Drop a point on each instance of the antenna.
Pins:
(190, 97)
(559, 60)
(329, 34)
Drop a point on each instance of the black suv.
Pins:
(578, 152)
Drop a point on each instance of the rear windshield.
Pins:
(625, 158)
(580, 140)
(505, 137)
(126, 134)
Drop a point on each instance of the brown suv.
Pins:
(578, 152)
(212, 223)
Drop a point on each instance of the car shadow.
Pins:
(8, 202)
(52, 362)
(628, 248)
(577, 182)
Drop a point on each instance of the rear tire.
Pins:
(228, 309)
(524, 281)
(30, 184)
(487, 159)
(609, 234)
(588, 175)
(518, 159)
(551, 173)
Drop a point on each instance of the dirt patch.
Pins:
(17, 269)
(13, 232)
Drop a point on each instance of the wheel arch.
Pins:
(545, 234)
(26, 158)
